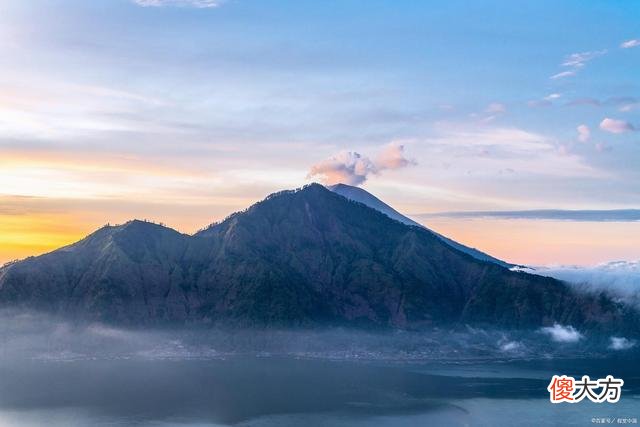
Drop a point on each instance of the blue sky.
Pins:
(176, 111)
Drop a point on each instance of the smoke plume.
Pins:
(352, 168)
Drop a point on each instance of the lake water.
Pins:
(55, 375)
(266, 391)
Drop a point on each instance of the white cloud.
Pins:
(583, 133)
(560, 333)
(630, 43)
(511, 346)
(346, 167)
(486, 150)
(616, 126)
(621, 343)
(620, 279)
(562, 75)
(544, 102)
(490, 113)
(629, 107)
(578, 60)
(349, 167)
(200, 4)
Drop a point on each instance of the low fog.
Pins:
(620, 279)
(34, 336)
(58, 373)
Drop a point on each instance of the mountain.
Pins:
(308, 257)
(359, 195)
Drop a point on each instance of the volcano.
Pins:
(306, 257)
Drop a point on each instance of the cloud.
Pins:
(349, 167)
(560, 333)
(576, 61)
(617, 215)
(622, 100)
(616, 126)
(629, 107)
(510, 346)
(621, 343)
(562, 75)
(487, 150)
(544, 102)
(584, 101)
(199, 4)
(346, 167)
(539, 103)
(624, 103)
(619, 279)
(495, 108)
(630, 43)
(393, 157)
(602, 147)
(490, 113)
(583, 133)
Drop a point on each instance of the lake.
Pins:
(59, 375)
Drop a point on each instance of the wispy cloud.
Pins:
(563, 74)
(577, 61)
(621, 343)
(537, 103)
(616, 126)
(545, 101)
(618, 215)
(584, 101)
(350, 167)
(630, 43)
(583, 133)
(496, 108)
(200, 4)
(483, 150)
(392, 157)
(623, 103)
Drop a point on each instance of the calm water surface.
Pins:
(282, 391)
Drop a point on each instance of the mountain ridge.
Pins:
(305, 257)
(360, 195)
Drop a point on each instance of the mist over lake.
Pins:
(63, 374)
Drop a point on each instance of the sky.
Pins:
(459, 114)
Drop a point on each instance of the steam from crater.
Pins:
(352, 168)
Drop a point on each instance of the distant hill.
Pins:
(359, 195)
(298, 258)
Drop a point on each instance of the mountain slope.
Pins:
(359, 195)
(115, 273)
(306, 257)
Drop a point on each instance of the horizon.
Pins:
(185, 111)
